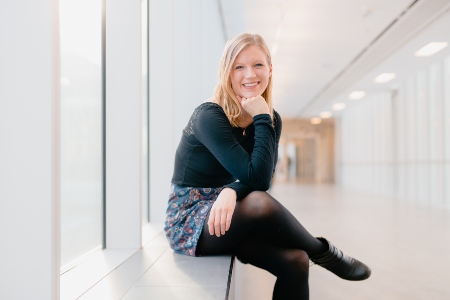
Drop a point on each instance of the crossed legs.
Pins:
(265, 234)
(290, 266)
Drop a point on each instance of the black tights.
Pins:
(265, 234)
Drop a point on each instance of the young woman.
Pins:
(223, 166)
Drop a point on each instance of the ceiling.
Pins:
(322, 48)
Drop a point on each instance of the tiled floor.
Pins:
(407, 246)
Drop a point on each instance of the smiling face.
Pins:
(250, 72)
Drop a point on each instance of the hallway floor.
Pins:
(406, 245)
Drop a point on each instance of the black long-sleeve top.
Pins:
(212, 153)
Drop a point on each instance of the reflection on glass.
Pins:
(81, 127)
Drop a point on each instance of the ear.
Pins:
(270, 70)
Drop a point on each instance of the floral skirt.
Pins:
(186, 214)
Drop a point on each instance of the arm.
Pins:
(222, 211)
(243, 190)
(254, 170)
(278, 127)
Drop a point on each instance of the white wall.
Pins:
(366, 145)
(397, 143)
(186, 42)
(29, 150)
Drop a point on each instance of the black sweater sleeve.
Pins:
(254, 170)
(278, 127)
(241, 189)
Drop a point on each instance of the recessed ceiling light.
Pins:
(325, 114)
(316, 120)
(356, 95)
(431, 49)
(384, 77)
(338, 106)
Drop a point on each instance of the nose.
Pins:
(250, 73)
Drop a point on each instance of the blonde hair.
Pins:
(223, 93)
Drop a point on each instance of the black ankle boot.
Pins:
(340, 264)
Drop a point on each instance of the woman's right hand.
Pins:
(222, 212)
(254, 105)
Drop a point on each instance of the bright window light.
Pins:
(356, 95)
(384, 77)
(338, 106)
(431, 49)
(316, 120)
(325, 114)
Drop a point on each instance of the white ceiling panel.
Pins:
(319, 40)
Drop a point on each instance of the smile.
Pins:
(251, 84)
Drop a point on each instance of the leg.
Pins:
(290, 266)
(261, 215)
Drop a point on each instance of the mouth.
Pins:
(250, 84)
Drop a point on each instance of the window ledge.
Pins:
(81, 278)
(84, 275)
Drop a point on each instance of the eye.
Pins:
(238, 67)
(259, 65)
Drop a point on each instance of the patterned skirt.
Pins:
(186, 214)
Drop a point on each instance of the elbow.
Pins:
(265, 187)
(262, 185)
(260, 181)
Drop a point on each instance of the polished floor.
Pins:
(406, 245)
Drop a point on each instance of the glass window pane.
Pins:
(144, 111)
(81, 127)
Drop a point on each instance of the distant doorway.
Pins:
(306, 152)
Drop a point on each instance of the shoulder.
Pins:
(208, 121)
(209, 115)
(209, 109)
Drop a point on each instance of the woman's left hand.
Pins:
(221, 212)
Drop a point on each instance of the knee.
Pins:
(297, 262)
(259, 204)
